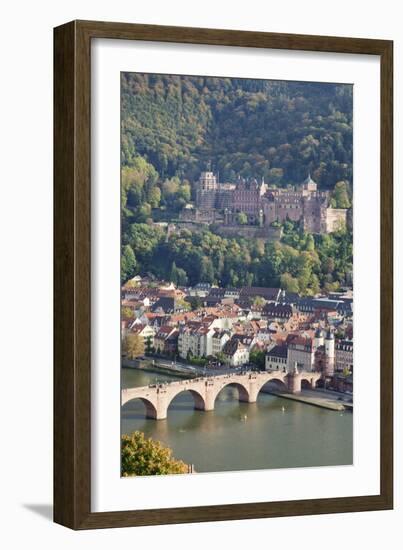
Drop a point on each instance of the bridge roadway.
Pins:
(157, 397)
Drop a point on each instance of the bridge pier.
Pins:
(159, 415)
(293, 383)
(161, 404)
(253, 393)
(209, 402)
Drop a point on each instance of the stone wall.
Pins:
(249, 232)
(335, 218)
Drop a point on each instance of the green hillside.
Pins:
(279, 130)
(173, 127)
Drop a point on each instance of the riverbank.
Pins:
(159, 368)
(324, 402)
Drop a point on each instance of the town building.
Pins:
(236, 353)
(195, 339)
(146, 332)
(166, 340)
(219, 339)
(301, 353)
(267, 293)
(344, 356)
(248, 340)
(274, 311)
(311, 354)
(167, 304)
(276, 358)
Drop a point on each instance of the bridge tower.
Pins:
(329, 353)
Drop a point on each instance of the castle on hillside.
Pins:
(263, 205)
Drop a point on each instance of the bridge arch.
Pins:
(309, 380)
(243, 392)
(275, 383)
(151, 409)
(198, 398)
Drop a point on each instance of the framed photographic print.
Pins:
(223, 275)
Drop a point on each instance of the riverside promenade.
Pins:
(333, 401)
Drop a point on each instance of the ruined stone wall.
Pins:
(314, 215)
(206, 199)
(335, 218)
(249, 232)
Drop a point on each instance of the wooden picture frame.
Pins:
(72, 271)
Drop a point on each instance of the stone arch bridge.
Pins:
(204, 390)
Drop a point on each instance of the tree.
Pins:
(148, 346)
(222, 358)
(127, 313)
(340, 198)
(242, 218)
(275, 176)
(257, 357)
(154, 196)
(173, 276)
(144, 457)
(184, 191)
(258, 301)
(184, 305)
(196, 303)
(133, 346)
(142, 213)
(128, 263)
(289, 283)
(199, 361)
(134, 178)
(207, 270)
(310, 243)
(182, 278)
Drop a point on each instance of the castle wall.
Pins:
(282, 207)
(314, 214)
(206, 199)
(249, 232)
(246, 200)
(335, 218)
(224, 199)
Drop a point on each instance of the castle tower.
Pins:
(329, 353)
(208, 181)
(309, 185)
(206, 193)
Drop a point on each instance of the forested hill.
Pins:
(276, 129)
(172, 127)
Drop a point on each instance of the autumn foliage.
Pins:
(133, 346)
(142, 456)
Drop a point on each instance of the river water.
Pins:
(274, 432)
